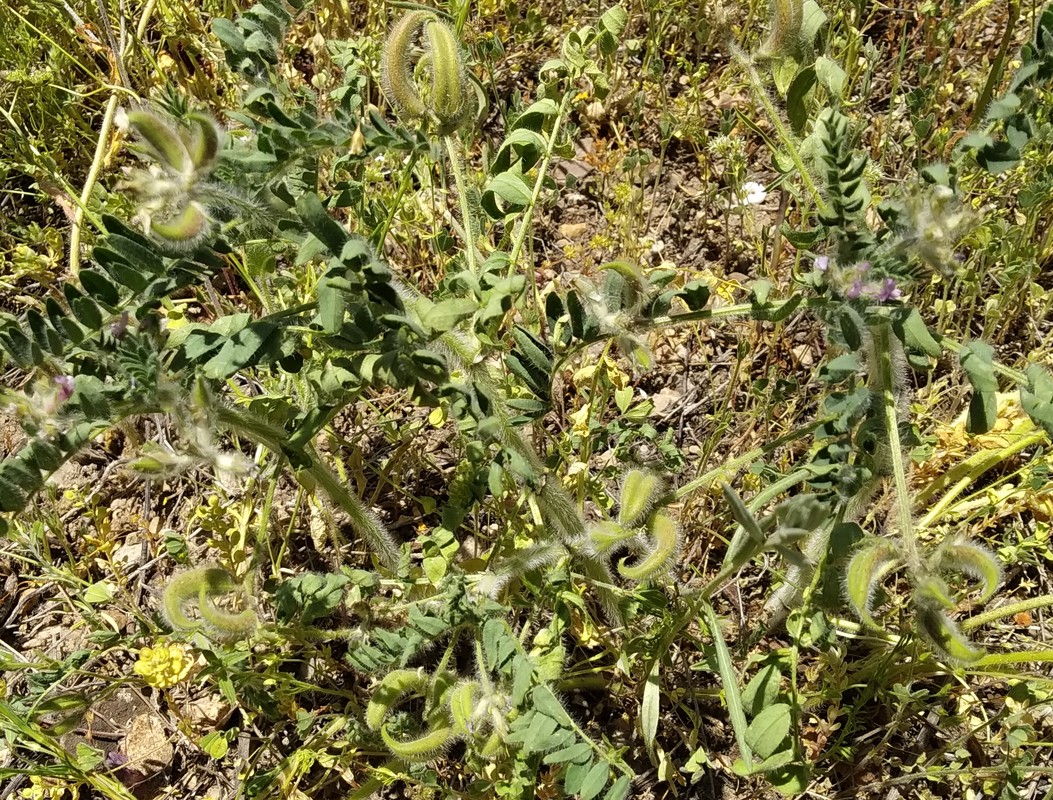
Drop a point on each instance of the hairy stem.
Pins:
(882, 332)
(787, 138)
(995, 614)
(528, 212)
(467, 218)
(995, 75)
(363, 521)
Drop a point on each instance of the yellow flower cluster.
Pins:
(49, 789)
(165, 665)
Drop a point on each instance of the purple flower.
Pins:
(855, 290)
(118, 328)
(115, 759)
(863, 266)
(65, 387)
(888, 291)
(822, 263)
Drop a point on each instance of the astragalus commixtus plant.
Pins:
(449, 643)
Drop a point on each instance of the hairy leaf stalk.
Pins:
(363, 521)
(887, 379)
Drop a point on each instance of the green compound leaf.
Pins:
(99, 287)
(571, 754)
(309, 597)
(547, 703)
(245, 348)
(531, 360)
(575, 776)
(970, 558)
(499, 645)
(533, 732)
(619, 789)
(640, 490)
(447, 314)
(865, 570)
(317, 221)
(594, 781)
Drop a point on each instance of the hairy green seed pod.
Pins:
(972, 559)
(181, 590)
(163, 143)
(186, 228)
(640, 490)
(462, 707)
(202, 141)
(939, 629)
(397, 66)
(489, 750)
(203, 586)
(605, 535)
(423, 748)
(447, 81)
(865, 571)
(666, 540)
(216, 583)
(449, 105)
(391, 687)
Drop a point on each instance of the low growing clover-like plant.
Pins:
(931, 597)
(207, 592)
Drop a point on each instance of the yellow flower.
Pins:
(49, 789)
(165, 665)
(580, 418)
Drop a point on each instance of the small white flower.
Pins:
(753, 194)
